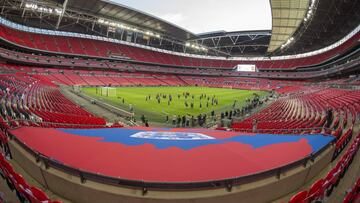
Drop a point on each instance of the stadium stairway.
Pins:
(6, 195)
(182, 80)
(353, 194)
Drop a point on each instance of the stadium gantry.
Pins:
(101, 102)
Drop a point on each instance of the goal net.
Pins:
(107, 91)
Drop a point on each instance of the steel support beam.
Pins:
(62, 14)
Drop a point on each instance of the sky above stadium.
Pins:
(200, 16)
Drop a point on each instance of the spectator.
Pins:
(254, 126)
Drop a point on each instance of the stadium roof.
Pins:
(287, 17)
(122, 13)
(327, 21)
(249, 43)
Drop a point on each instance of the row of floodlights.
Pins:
(149, 33)
(58, 11)
(126, 27)
(310, 11)
(307, 17)
(43, 9)
(289, 41)
(195, 46)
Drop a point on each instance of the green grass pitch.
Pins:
(156, 112)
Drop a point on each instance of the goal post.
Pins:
(77, 88)
(108, 91)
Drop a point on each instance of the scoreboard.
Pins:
(246, 68)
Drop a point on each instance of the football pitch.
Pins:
(158, 102)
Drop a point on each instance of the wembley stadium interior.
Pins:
(297, 144)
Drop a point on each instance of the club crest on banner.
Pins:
(171, 136)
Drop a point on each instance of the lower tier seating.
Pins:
(354, 194)
(323, 187)
(29, 101)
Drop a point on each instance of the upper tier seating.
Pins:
(95, 48)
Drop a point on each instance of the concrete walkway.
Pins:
(87, 105)
(9, 197)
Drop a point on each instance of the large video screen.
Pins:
(246, 67)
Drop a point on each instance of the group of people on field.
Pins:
(189, 99)
(188, 120)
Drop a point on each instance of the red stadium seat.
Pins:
(21, 187)
(316, 191)
(300, 197)
(35, 195)
(332, 179)
(354, 195)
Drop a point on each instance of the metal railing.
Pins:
(54, 124)
(291, 130)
